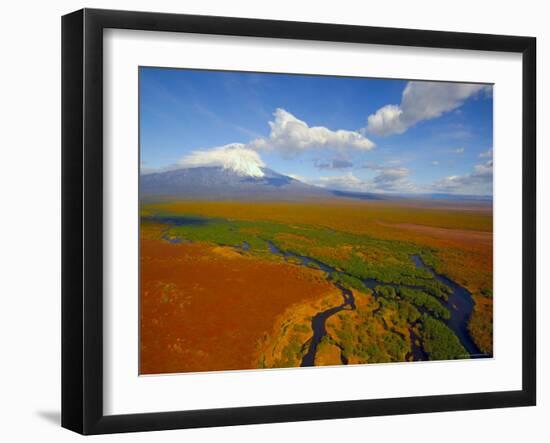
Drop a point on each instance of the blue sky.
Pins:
(358, 134)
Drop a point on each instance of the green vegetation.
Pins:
(408, 298)
(439, 341)
(361, 256)
(290, 357)
(386, 292)
(220, 232)
(431, 286)
(367, 338)
(348, 281)
(417, 297)
(423, 300)
(408, 313)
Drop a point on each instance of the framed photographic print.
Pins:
(269, 221)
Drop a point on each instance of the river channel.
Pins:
(459, 302)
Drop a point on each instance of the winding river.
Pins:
(318, 321)
(459, 302)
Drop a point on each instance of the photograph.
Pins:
(275, 221)
(290, 220)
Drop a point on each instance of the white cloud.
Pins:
(387, 120)
(458, 151)
(420, 101)
(394, 161)
(335, 163)
(478, 182)
(387, 179)
(435, 162)
(291, 136)
(347, 182)
(391, 179)
(235, 156)
(487, 154)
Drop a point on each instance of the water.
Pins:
(179, 221)
(459, 303)
(417, 351)
(318, 322)
(306, 261)
(318, 326)
(173, 240)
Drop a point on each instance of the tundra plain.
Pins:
(228, 285)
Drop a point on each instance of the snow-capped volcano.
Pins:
(230, 181)
(229, 172)
(234, 157)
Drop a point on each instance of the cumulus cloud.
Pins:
(487, 154)
(346, 182)
(387, 179)
(386, 121)
(478, 182)
(397, 180)
(420, 101)
(393, 179)
(235, 156)
(291, 136)
(335, 163)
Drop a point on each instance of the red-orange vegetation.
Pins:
(465, 256)
(204, 308)
(481, 323)
(459, 234)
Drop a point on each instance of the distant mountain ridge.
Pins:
(225, 183)
(216, 182)
(443, 196)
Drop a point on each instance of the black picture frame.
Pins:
(82, 218)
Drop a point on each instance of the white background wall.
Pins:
(30, 218)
